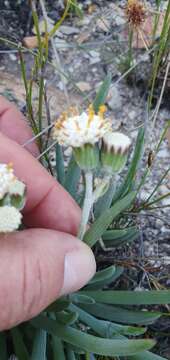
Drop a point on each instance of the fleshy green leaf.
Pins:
(72, 178)
(60, 164)
(70, 354)
(81, 299)
(130, 177)
(103, 275)
(92, 343)
(102, 93)
(67, 318)
(118, 272)
(104, 220)
(3, 346)
(121, 315)
(106, 328)
(105, 201)
(146, 355)
(19, 346)
(58, 305)
(152, 297)
(58, 349)
(101, 278)
(120, 237)
(39, 345)
(118, 233)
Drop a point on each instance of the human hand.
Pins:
(45, 261)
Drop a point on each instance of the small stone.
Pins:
(93, 53)
(94, 57)
(103, 24)
(163, 189)
(84, 21)
(119, 20)
(30, 42)
(82, 37)
(94, 61)
(114, 100)
(164, 230)
(69, 30)
(91, 9)
(12, 57)
(60, 85)
(59, 34)
(61, 44)
(132, 115)
(163, 153)
(83, 86)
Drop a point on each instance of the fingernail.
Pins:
(79, 268)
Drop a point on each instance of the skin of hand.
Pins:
(45, 261)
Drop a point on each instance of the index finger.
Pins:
(48, 204)
(14, 125)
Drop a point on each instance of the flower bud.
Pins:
(87, 157)
(114, 151)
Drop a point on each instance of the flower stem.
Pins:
(88, 201)
(130, 50)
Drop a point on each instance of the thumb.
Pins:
(37, 266)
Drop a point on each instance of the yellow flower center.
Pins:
(91, 114)
(102, 110)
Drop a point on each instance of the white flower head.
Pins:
(6, 178)
(116, 142)
(9, 184)
(10, 219)
(74, 129)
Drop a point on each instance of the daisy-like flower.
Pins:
(6, 178)
(82, 132)
(76, 130)
(114, 152)
(10, 219)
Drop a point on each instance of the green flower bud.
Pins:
(87, 156)
(114, 151)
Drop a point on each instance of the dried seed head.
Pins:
(135, 12)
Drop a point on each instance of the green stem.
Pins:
(156, 22)
(88, 201)
(87, 355)
(159, 54)
(130, 52)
